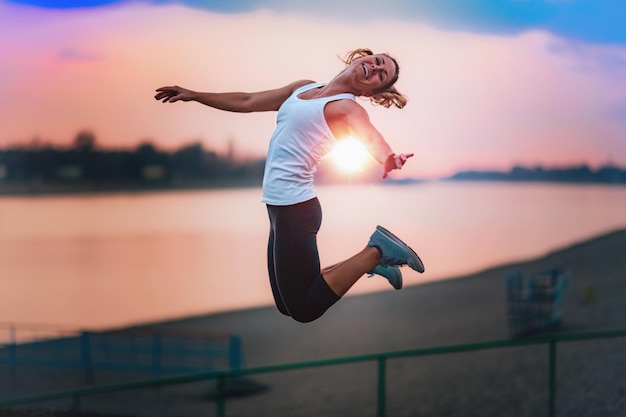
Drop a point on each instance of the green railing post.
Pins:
(552, 380)
(381, 386)
(76, 402)
(221, 396)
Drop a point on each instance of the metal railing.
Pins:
(221, 376)
(87, 358)
(157, 354)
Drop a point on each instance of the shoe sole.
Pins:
(395, 281)
(414, 261)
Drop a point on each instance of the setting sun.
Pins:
(349, 155)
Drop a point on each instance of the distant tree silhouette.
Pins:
(188, 162)
(85, 141)
(83, 163)
(573, 174)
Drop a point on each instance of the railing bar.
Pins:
(76, 402)
(221, 396)
(552, 379)
(382, 388)
(329, 362)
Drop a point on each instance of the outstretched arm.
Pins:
(269, 100)
(348, 118)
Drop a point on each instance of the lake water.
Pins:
(99, 261)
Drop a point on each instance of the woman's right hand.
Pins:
(172, 94)
(394, 161)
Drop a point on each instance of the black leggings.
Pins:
(293, 262)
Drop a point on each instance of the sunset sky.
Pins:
(490, 83)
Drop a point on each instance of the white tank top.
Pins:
(301, 139)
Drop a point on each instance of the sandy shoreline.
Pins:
(468, 309)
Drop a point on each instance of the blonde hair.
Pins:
(387, 95)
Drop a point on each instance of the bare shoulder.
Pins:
(345, 109)
(297, 84)
(271, 99)
(346, 117)
(288, 89)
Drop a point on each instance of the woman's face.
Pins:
(373, 73)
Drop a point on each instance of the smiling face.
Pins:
(373, 74)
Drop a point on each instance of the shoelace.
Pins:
(393, 260)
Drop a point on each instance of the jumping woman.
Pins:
(311, 118)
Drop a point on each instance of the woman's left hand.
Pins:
(394, 161)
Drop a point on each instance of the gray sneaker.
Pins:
(394, 251)
(391, 273)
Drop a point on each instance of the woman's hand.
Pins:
(172, 94)
(394, 161)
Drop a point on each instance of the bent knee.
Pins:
(304, 318)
